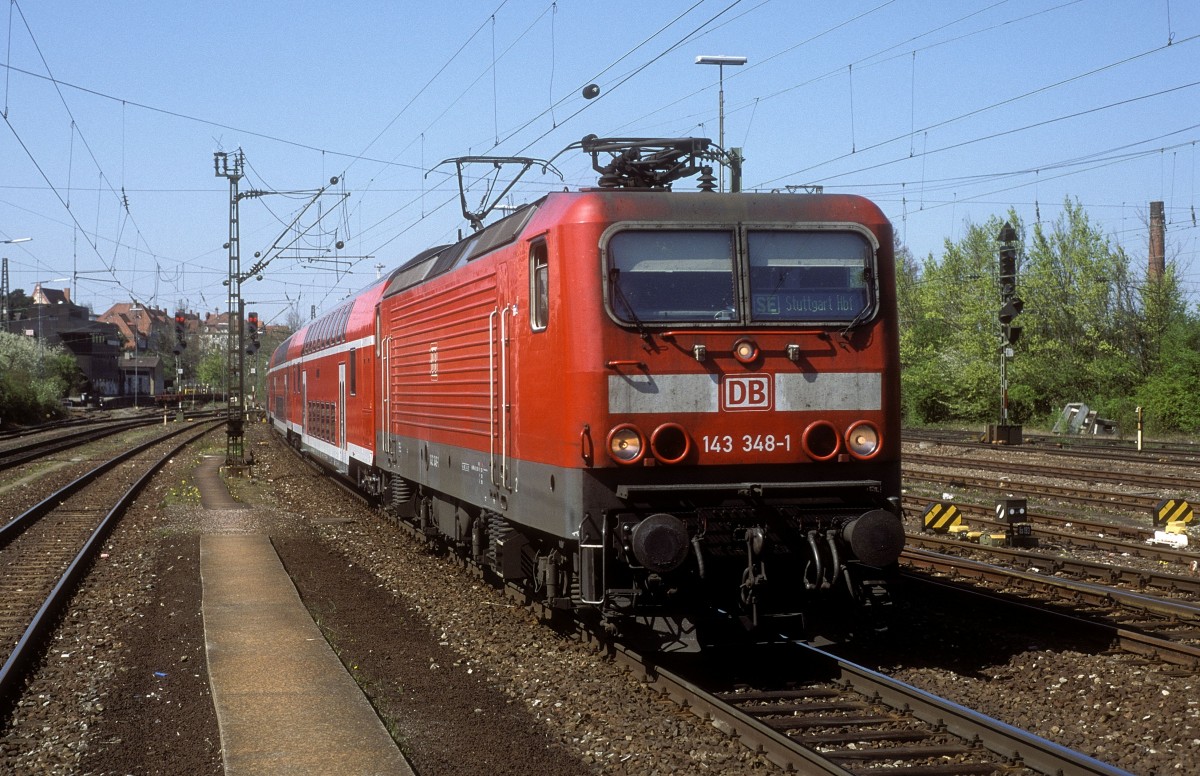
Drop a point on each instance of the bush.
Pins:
(33, 380)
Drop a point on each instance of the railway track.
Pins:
(1139, 478)
(46, 550)
(1080, 533)
(1051, 444)
(1067, 494)
(25, 452)
(56, 440)
(1061, 564)
(1167, 630)
(809, 711)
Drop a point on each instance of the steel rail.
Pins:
(1074, 495)
(1057, 564)
(1092, 541)
(23, 655)
(1079, 447)
(19, 454)
(1006, 740)
(1141, 479)
(1018, 748)
(11, 529)
(1134, 641)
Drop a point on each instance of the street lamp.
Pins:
(721, 60)
(4, 284)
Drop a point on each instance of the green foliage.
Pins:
(949, 333)
(1168, 395)
(211, 369)
(1090, 332)
(33, 379)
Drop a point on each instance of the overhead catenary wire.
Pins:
(408, 218)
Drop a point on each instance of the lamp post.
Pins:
(721, 60)
(4, 281)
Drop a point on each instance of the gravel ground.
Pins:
(469, 683)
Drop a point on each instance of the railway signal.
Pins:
(1011, 306)
(252, 332)
(180, 333)
(1015, 512)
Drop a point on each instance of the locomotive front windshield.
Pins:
(673, 275)
(794, 276)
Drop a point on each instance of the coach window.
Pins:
(539, 285)
(353, 372)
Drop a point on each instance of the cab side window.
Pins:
(539, 286)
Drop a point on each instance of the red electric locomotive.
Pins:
(670, 408)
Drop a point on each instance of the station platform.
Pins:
(285, 704)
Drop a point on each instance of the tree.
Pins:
(949, 332)
(18, 304)
(211, 370)
(1090, 332)
(1170, 351)
(34, 379)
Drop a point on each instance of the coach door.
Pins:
(383, 396)
(342, 405)
(500, 359)
(304, 401)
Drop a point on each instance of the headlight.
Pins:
(745, 351)
(862, 440)
(626, 444)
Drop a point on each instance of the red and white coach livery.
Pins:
(672, 408)
(322, 386)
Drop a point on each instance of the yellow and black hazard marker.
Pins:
(941, 516)
(1173, 511)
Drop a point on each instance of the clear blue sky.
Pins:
(943, 112)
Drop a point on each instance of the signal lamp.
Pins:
(1010, 310)
(626, 444)
(1012, 510)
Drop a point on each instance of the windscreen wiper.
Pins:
(614, 281)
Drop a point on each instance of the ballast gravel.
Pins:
(468, 682)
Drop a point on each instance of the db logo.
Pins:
(746, 392)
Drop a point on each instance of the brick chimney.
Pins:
(1158, 264)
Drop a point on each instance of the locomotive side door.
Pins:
(500, 360)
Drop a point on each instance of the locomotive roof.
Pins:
(443, 258)
(640, 204)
